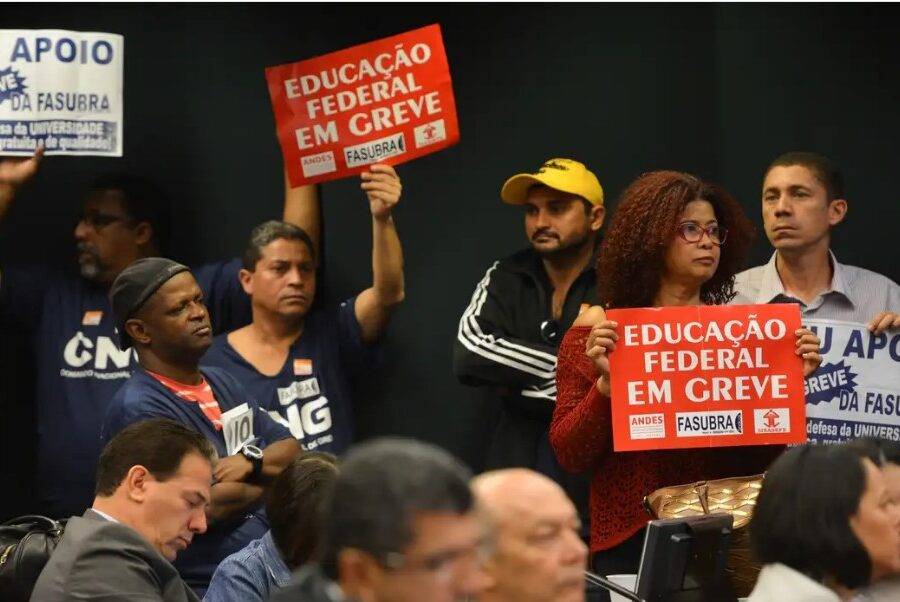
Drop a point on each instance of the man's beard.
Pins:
(565, 251)
(88, 262)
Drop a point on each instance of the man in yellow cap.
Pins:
(509, 334)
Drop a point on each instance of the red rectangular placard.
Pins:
(706, 376)
(388, 101)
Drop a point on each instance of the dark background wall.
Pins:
(717, 90)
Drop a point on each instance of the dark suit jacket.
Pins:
(101, 560)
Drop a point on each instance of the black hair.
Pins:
(270, 231)
(296, 505)
(879, 451)
(823, 168)
(158, 444)
(802, 518)
(381, 487)
(142, 200)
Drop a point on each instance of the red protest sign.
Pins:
(707, 376)
(388, 101)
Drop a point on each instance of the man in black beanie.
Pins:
(159, 310)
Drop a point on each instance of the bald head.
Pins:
(538, 554)
(511, 493)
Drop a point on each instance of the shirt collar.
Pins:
(771, 286)
(778, 578)
(104, 515)
(839, 278)
(275, 563)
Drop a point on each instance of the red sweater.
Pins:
(581, 435)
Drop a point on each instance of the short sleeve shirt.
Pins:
(80, 366)
(143, 397)
(312, 393)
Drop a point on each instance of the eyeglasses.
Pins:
(693, 232)
(443, 566)
(97, 220)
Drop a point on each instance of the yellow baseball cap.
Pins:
(566, 175)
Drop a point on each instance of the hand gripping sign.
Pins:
(62, 89)
(706, 376)
(388, 101)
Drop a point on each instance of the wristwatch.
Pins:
(255, 455)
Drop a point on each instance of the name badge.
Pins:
(303, 367)
(237, 428)
(92, 318)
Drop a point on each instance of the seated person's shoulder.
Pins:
(243, 562)
(111, 557)
(224, 378)
(590, 316)
(93, 538)
(136, 393)
(108, 532)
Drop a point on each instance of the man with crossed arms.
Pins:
(159, 311)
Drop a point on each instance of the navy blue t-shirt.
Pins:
(80, 366)
(312, 393)
(143, 397)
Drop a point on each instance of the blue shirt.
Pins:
(143, 397)
(250, 575)
(312, 393)
(80, 366)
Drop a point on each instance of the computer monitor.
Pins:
(684, 560)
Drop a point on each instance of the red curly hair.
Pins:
(632, 255)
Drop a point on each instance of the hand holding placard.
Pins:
(808, 348)
(382, 186)
(884, 321)
(16, 171)
(600, 342)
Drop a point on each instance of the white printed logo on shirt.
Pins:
(306, 410)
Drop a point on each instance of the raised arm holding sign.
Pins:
(674, 242)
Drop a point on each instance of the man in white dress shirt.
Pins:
(802, 200)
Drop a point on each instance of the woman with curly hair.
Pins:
(673, 240)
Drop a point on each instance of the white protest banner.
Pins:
(62, 88)
(856, 390)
